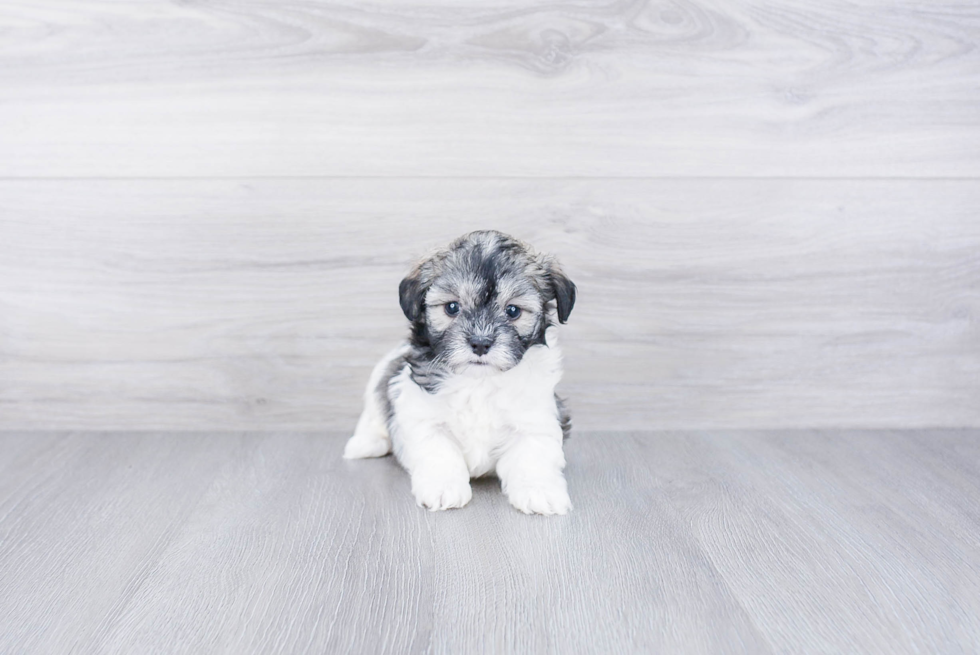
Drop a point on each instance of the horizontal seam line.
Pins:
(948, 178)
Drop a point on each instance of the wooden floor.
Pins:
(680, 542)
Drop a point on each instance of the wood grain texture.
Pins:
(264, 303)
(83, 519)
(498, 87)
(695, 542)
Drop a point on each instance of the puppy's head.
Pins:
(483, 301)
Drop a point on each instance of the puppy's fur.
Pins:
(472, 391)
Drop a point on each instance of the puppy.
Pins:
(472, 391)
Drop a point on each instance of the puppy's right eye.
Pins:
(452, 308)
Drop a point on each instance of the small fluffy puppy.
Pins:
(472, 391)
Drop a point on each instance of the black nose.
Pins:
(480, 345)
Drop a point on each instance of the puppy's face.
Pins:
(481, 303)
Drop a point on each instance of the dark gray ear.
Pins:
(564, 290)
(411, 296)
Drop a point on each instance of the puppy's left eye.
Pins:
(513, 311)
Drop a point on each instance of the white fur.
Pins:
(371, 438)
(480, 420)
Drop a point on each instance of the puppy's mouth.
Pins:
(481, 367)
(481, 363)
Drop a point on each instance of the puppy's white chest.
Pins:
(482, 413)
(486, 413)
(478, 418)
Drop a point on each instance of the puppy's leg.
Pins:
(530, 473)
(371, 437)
(440, 477)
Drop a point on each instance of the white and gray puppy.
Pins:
(472, 391)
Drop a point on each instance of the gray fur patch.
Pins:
(381, 391)
(564, 417)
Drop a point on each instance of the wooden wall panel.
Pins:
(247, 88)
(243, 304)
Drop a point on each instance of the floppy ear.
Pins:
(564, 290)
(411, 295)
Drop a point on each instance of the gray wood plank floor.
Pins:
(693, 542)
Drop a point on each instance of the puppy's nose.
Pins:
(480, 345)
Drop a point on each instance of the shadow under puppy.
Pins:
(472, 391)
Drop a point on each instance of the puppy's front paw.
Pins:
(540, 497)
(436, 492)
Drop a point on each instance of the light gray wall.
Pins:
(770, 209)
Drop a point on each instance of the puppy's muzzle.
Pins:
(480, 345)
